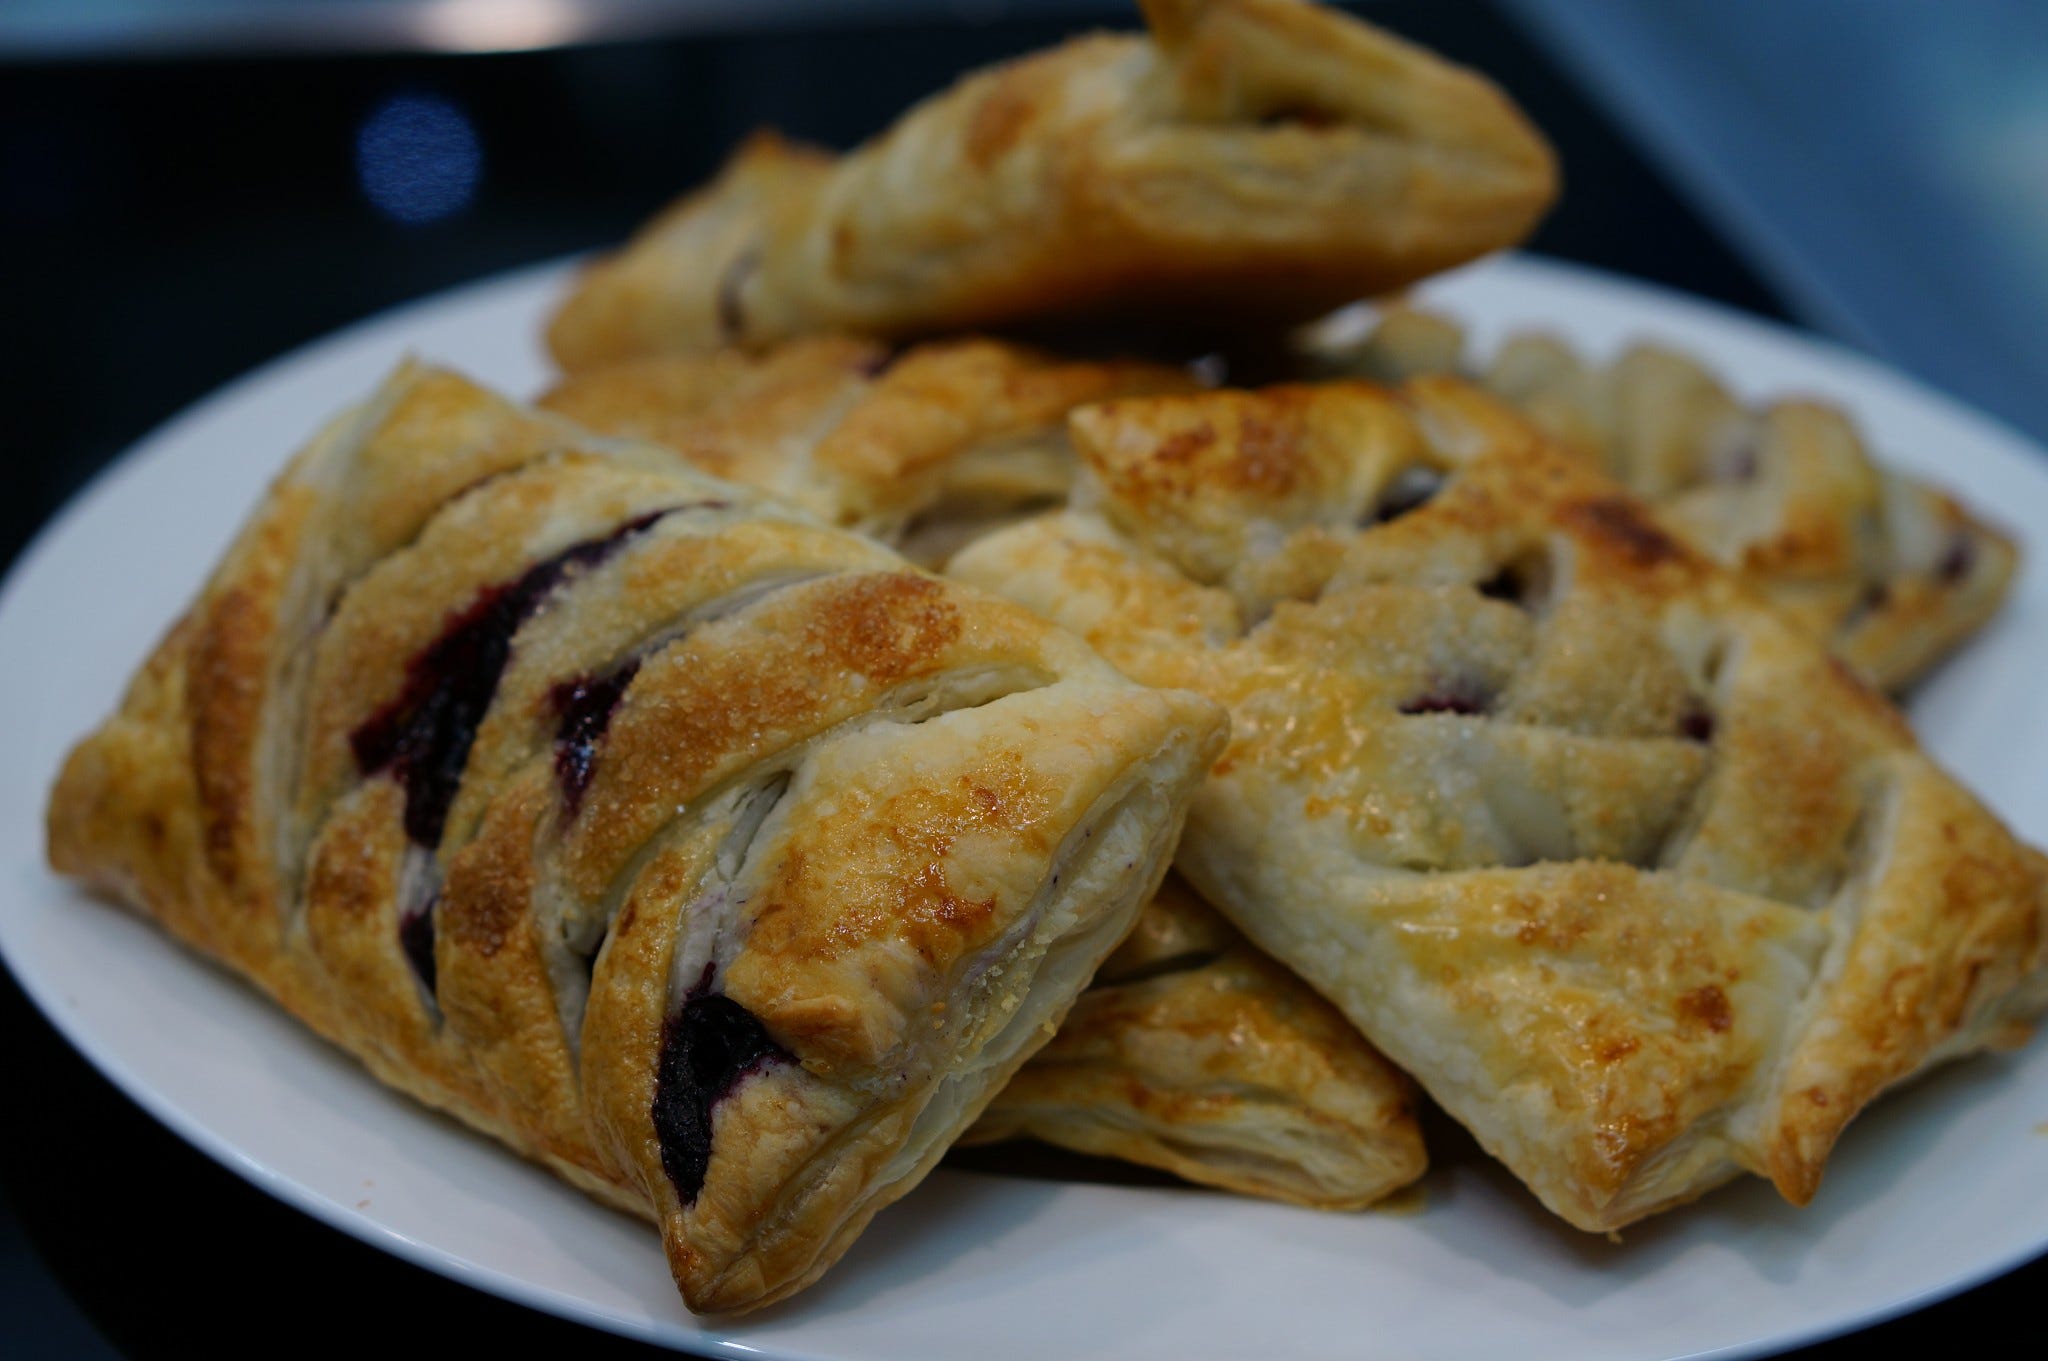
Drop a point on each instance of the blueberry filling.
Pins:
(1454, 698)
(1697, 725)
(878, 363)
(707, 1048)
(423, 736)
(1957, 562)
(1409, 489)
(585, 705)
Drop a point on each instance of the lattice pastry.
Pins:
(1194, 1053)
(1895, 573)
(1264, 159)
(1642, 886)
(932, 448)
(716, 859)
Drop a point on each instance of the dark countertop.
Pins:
(167, 226)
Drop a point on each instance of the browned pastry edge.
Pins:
(1256, 160)
(1193, 1053)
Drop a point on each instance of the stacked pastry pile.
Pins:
(628, 794)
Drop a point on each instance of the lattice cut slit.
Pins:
(1893, 572)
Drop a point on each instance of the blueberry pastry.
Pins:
(1249, 160)
(1194, 1053)
(715, 858)
(1894, 573)
(1641, 884)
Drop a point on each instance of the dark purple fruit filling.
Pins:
(1697, 725)
(1410, 489)
(416, 938)
(1516, 583)
(707, 1048)
(878, 363)
(423, 736)
(1957, 562)
(1453, 698)
(585, 705)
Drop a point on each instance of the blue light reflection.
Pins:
(418, 158)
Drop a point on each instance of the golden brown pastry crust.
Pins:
(1893, 572)
(925, 449)
(1638, 882)
(1252, 159)
(715, 858)
(1194, 1053)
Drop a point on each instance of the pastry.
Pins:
(926, 449)
(1894, 573)
(1194, 1053)
(1641, 885)
(713, 857)
(1249, 161)
(930, 449)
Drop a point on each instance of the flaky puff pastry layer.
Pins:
(926, 449)
(713, 857)
(1250, 160)
(1194, 1053)
(1895, 573)
(1636, 880)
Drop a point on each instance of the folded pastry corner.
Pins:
(1263, 160)
(1893, 572)
(1639, 882)
(1194, 1053)
(716, 858)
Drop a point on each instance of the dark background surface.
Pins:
(166, 226)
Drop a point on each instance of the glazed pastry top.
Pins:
(1893, 572)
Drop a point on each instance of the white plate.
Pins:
(1939, 1187)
